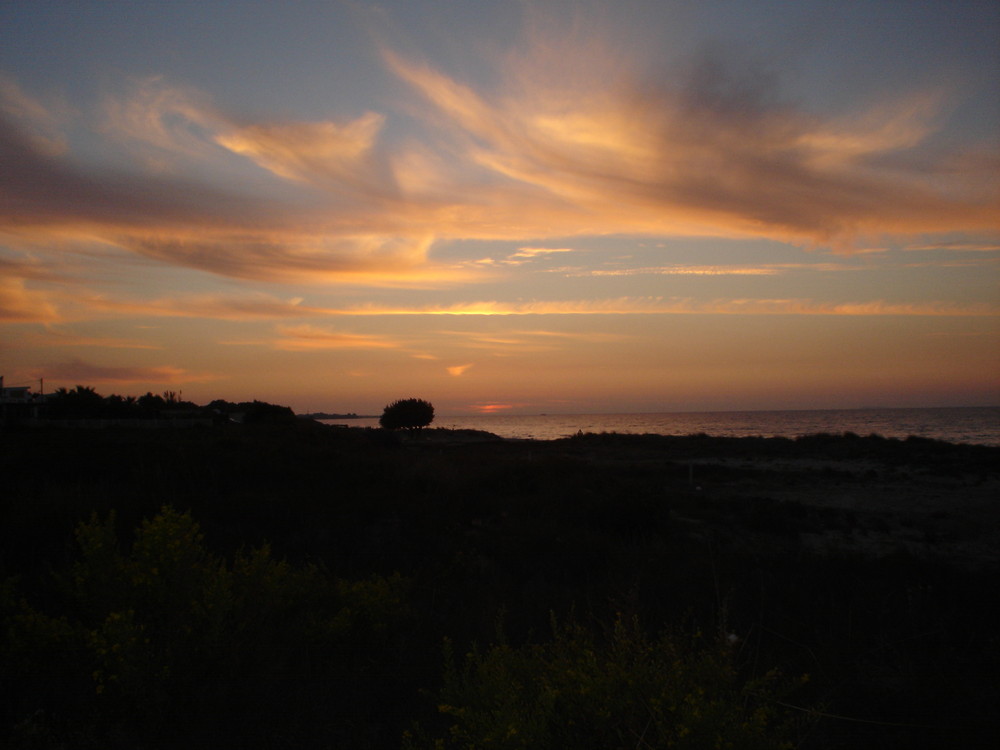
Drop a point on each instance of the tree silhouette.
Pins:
(408, 414)
(151, 405)
(83, 402)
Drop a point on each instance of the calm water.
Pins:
(957, 425)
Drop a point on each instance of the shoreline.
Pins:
(974, 425)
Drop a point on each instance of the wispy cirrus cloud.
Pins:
(19, 304)
(715, 151)
(680, 270)
(55, 336)
(590, 337)
(873, 308)
(311, 338)
(163, 120)
(678, 306)
(368, 260)
(525, 254)
(324, 153)
(530, 341)
(29, 268)
(217, 307)
(959, 262)
(962, 247)
(42, 119)
(768, 269)
(80, 371)
(158, 121)
(499, 345)
(570, 140)
(45, 192)
(188, 222)
(184, 223)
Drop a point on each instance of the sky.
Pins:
(515, 206)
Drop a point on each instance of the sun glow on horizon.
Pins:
(493, 408)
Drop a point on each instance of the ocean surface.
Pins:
(955, 424)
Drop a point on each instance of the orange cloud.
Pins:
(310, 338)
(710, 154)
(372, 260)
(768, 269)
(54, 337)
(988, 263)
(259, 306)
(458, 370)
(594, 337)
(899, 123)
(502, 347)
(309, 151)
(965, 247)
(683, 306)
(570, 141)
(18, 304)
(535, 341)
(679, 270)
(78, 371)
(524, 254)
(169, 118)
(192, 225)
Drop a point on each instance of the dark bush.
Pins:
(626, 690)
(407, 414)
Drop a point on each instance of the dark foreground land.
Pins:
(305, 586)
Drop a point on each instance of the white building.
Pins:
(18, 404)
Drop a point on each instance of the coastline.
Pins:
(977, 425)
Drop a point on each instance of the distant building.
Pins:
(18, 405)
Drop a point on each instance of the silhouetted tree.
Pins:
(407, 414)
(151, 405)
(261, 412)
(119, 407)
(221, 406)
(83, 402)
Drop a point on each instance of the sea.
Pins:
(976, 425)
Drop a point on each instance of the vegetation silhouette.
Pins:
(82, 401)
(412, 414)
(670, 691)
(85, 403)
(292, 584)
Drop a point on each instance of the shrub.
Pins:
(407, 414)
(163, 638)
(628, 691)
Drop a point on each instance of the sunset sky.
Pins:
(522, 206)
